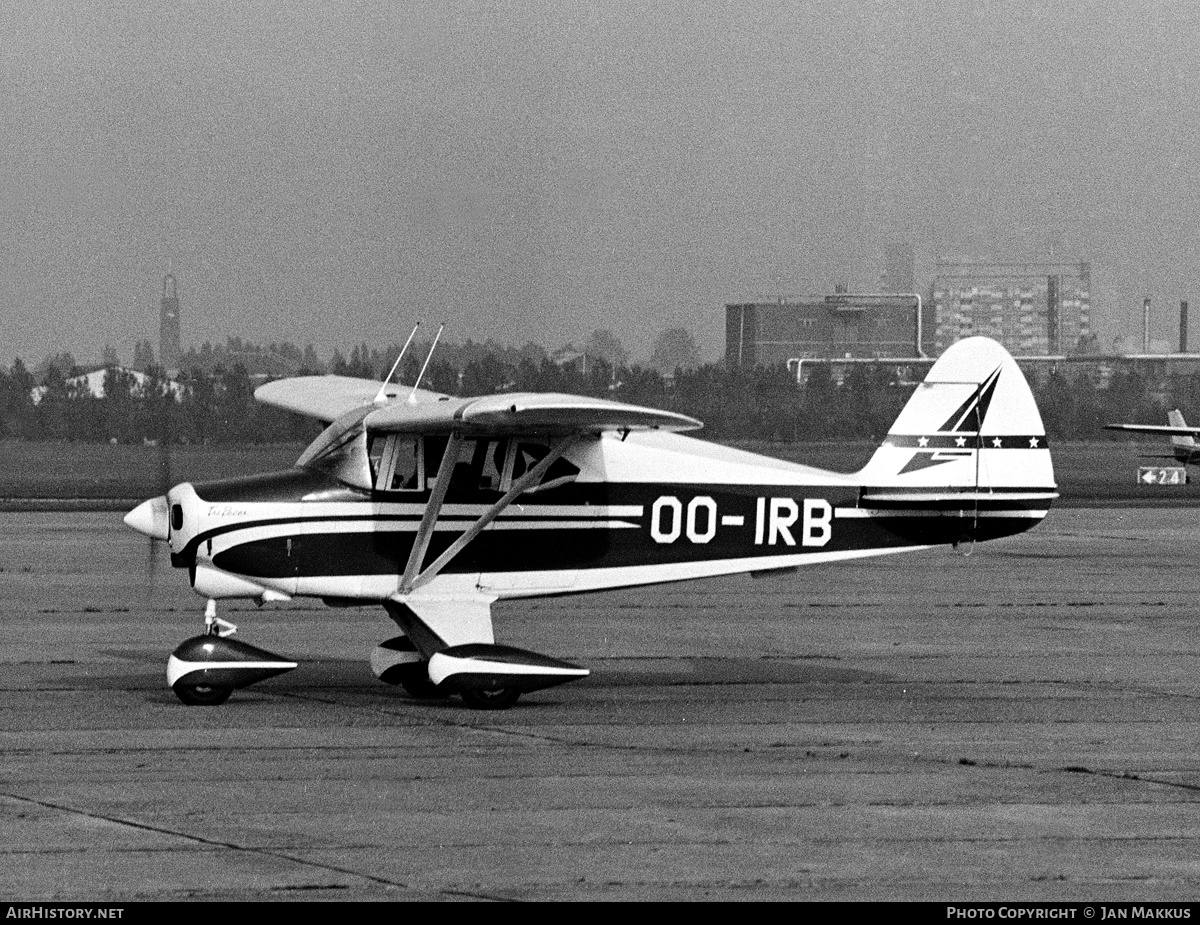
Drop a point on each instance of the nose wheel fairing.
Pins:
(205, 669)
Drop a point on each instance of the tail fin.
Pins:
(970, 442)
(1183, 446)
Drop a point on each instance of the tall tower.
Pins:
(169, 352)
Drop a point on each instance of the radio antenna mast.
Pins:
(412, 396)
(381, 397)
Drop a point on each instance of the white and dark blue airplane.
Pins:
(1184, 448)
(436, 507)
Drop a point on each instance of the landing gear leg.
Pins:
(214, 625)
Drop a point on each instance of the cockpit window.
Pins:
(410, 463)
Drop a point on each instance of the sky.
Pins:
(333, 173)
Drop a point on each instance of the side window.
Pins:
(527, 453)
(435, 449)
(395, 462)
(489, 463)
(406, 468)
(403, 462)
(478, 466)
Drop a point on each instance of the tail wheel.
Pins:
(493, 698)
(202, 695)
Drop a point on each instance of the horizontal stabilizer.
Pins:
(479, 666)
(1165, 430)
(951, 497)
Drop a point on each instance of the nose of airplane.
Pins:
(151, 518)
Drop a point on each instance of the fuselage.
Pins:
(612, 512)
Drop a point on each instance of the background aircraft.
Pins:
(435, 507)
(1183, 438)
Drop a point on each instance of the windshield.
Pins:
(341, 450)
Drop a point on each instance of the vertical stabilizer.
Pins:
(1183, 446)
(971, 429)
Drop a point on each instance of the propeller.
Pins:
(152, 517)
(164, 485)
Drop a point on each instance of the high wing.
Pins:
(329, 397)
(524, 412)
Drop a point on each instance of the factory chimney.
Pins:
(1183, 339)
(1053, 322)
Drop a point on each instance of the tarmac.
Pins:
(1016, 721)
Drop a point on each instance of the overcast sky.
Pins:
(333, 173)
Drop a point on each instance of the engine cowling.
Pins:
(216, 584)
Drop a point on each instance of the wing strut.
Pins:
(412, 580)
(432, 509)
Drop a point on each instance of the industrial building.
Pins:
(1033, 309)
(770, 332)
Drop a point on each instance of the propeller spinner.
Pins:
(151, 518)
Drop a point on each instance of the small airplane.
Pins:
(1184, 448)
(436, 507)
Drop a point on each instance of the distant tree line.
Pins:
(212, 402)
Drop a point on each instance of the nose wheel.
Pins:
(201, 695)
(204, 670)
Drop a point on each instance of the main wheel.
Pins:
(416, 682)
(494, 698)
(202, 695)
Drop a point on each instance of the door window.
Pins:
(396, 462)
